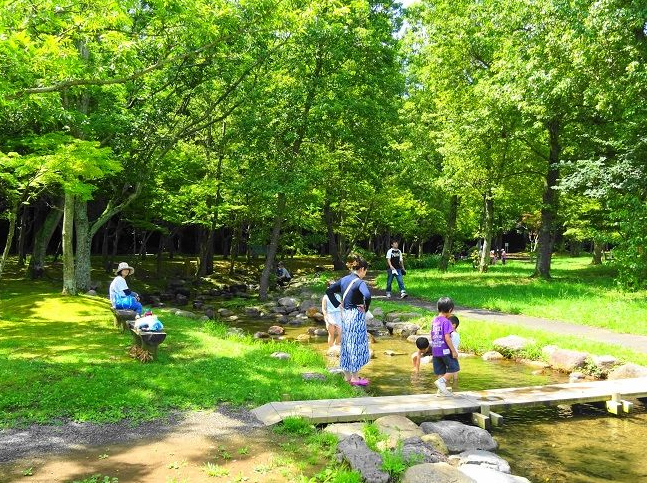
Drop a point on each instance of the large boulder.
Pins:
(460, 437)
(483, 458)
(397, 428)
(483, 474)
(436, 473)
(361, 459)
(401, 316)
(307, 304)
(377, 312)
(511, 344)
(415, 449)
(628, 371)
(492, 356)
(314, 313)
(402, 329)
(567, 360)
(604, 363)
(253, 311)
(344, 430)
(288, 302)
(436, 442)
(374, 325)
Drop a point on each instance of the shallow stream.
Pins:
(551, 444)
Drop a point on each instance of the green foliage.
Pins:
(295, 425)
(578, 292)
(101, 383)
(215, 471)
(216, 328)
(394, 463)
(337, 475)
(372, 436)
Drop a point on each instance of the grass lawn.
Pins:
(579, 292)
(61, 357)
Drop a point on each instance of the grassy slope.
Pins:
(62, 357)
(579, 292)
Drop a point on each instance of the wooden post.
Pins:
(614, 406)
(482, 419)
(496, 418)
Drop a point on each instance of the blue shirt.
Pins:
(359, 293)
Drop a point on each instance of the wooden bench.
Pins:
(122, 317)
(142, 339)
(147, 341)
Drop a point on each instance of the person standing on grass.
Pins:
(355, 300)
(444, 355)
(395, 268)
(332, 317)
(121, 297)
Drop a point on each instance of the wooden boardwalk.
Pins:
(483, 405)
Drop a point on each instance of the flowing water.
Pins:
(549, 444)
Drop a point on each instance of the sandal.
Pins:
(360, 382)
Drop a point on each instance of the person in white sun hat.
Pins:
(121, 297)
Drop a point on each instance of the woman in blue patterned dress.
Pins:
(356, 298)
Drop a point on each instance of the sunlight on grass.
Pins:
(55, 348)
(579, 292)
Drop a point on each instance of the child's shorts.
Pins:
(445, 364)
(333, 318)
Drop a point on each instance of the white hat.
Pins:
(124, 266)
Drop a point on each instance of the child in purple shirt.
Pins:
(445, 357)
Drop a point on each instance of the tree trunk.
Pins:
(41, 241)
(233, 250)
(549, 206)
(449, 234)
(271, 249)
(487, 236)
(69, 282)
(115, 243)
(12, 228)
(104, 244)
(420, 247)
(22, 238)
(160, 250)
(338, 263)
(598, 248)
(83, 265)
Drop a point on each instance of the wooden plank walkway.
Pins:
(480, 403)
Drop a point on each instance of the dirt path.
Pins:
(231, 440)
(637, 343)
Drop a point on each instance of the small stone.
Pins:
(261, 335)
(92, 293)
(313, 376)
(492, 356)
(393, 353)
(280, 355)
(276, 330)
(225, 312)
